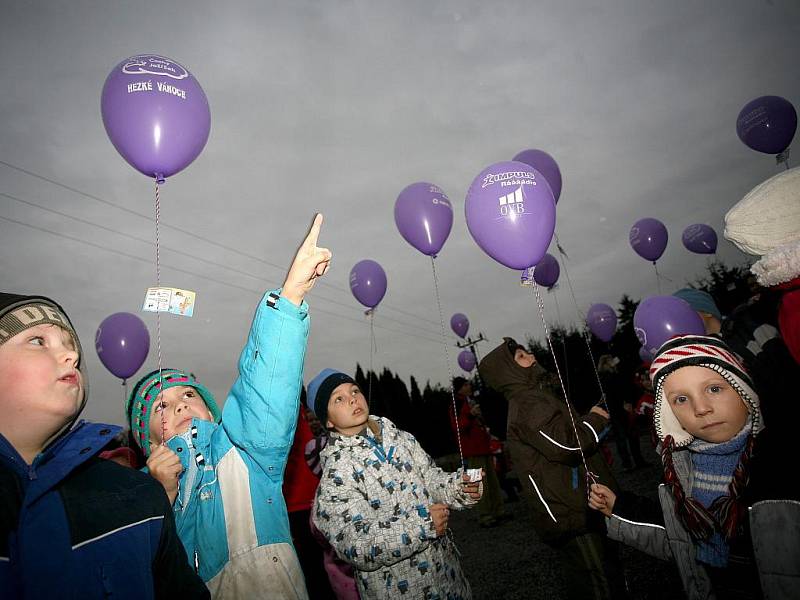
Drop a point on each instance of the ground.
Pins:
(509, 562)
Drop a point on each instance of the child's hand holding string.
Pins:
(165, 467)
(602, 498)
(309, 263)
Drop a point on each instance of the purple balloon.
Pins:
(459, 323)
(466, 360)
(368, 282)
(511, 213)
(660, 318)
(602, 321)
(648, 238)
(156, 114)
(547, 271)
(546, 165)
(122, 343)
(700, 239)
(424, 215)
(767, 124)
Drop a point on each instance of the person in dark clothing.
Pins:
(618, 395)
(72, 525)
(550, 462)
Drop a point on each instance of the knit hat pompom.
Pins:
(139, 404)
(702, 351)
(320, 389)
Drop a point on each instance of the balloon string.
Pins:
(447, 362)
(372, 350)
(584, 333)
(658, 277)
(158, 312)
(590, 477)
(563, 341)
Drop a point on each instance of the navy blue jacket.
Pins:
(76, 526)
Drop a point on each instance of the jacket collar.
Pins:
(59, 459)
(199, 435)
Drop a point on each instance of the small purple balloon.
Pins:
(424, 216)
(459, 323)
(156, 114)
(700, 239)
(466, 360)
(122, 343)
(648, 238)
(547, 271)
(660, 318)
(602, 321)
(511, 214)
(767, 124)
(368, 282)
(546, 165)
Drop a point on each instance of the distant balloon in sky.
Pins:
(424, 216)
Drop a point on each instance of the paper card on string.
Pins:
(169, 300)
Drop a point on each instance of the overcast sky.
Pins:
(337, 106)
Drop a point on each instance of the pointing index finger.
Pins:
(313, 234)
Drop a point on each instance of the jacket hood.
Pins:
(500, 371)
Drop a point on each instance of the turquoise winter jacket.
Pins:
(230, 512)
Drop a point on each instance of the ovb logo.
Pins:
(512, 203)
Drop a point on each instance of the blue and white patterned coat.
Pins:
(372, 505)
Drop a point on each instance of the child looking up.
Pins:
(382, 503)
(717, 464)
(72, 525)
(224, 469)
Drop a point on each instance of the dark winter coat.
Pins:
(76, 526)
(543, 448)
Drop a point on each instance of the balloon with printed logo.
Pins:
(602, 321)
(122, 343)
(546, 165)
(156, 114)
(511, 213)
(648, 238)
(767, 124)
(700, 239)
(547, 271)
(660, 318)
(424, 216)
(368, 282)
(466, 360)
(459, 323)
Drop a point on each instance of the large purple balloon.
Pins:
(368, 282)
(466, 360)
(700, 239)
(660, 318)
(424, 216)
(122, 343)
(546, 165)
(648, 238)
(511, 213)
(459, 323)
(602, 321)
(547, 271)
(156, 114)
(767, 124)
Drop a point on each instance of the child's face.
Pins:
(39, 376)
(173, 412)
(705, 404)
(524, 358)
(347, 409)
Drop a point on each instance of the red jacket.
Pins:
(299, 482)
(475, 437)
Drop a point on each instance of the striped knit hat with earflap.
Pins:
(139, 405)
(702, 351)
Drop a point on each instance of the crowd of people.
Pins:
(296, 493)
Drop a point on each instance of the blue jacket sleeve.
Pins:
(260, 413)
